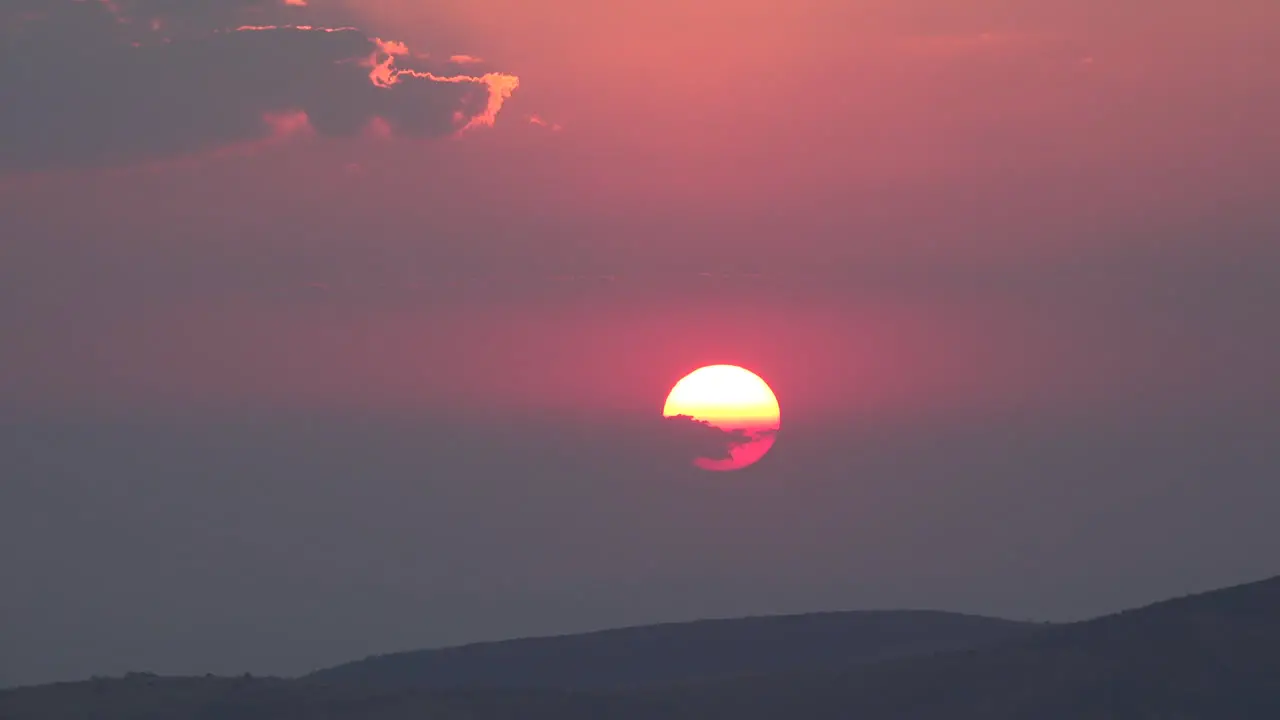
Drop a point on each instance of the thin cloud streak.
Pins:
(385, 74)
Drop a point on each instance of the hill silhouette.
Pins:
(679, 652)
(1213, 655)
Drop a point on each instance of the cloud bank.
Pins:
(691, 439)
(90, 82)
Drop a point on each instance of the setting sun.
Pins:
(731, 399)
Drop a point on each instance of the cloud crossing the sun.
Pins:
(94, 82)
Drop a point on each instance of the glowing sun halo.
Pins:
(729, 398)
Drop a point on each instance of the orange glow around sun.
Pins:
(729, 398)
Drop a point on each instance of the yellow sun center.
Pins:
(724, 395)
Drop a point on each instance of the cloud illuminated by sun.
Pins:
(254, 68)
(384, 74)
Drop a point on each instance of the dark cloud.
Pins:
(691, 438)
(97, 82)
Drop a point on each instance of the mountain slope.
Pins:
(679, 652)
(1215, 655)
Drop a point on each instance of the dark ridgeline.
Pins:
(1213, 656)
(679, 652)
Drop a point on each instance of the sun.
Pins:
(731, 399)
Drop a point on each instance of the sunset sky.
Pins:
(344, 327)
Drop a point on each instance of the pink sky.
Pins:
(378, 322)
(925, 207)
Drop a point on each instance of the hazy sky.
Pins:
(322, 342)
